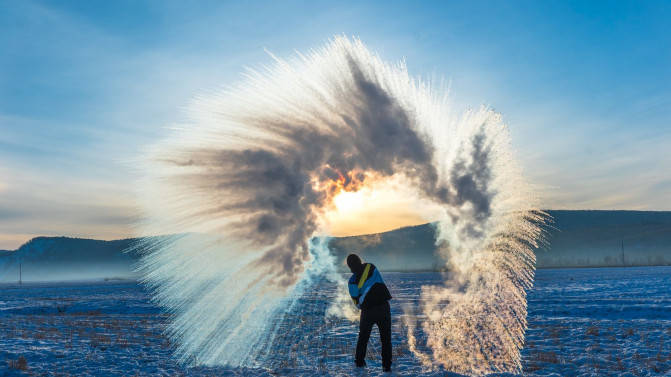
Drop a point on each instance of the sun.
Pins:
(347, 201)
(377, 206)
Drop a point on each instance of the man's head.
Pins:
(354, 263)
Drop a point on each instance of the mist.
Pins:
(250, 179)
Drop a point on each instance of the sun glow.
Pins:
(347, 201)
(378, 206)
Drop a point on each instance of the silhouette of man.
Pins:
(371, 295)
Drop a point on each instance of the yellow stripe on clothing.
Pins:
(364, 276)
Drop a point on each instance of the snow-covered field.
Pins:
(607, 321)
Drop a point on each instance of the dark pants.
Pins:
(379, 315)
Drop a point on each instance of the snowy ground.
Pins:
(609, 321)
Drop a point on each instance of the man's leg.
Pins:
(385, 337)
(365, 326)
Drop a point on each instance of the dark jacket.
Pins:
(367, 288)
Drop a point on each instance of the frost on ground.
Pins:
(609, 321)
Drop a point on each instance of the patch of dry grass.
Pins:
(19, 364)
(592, 330)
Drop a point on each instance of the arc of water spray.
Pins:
(246, 182)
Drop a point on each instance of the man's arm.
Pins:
(354, 290)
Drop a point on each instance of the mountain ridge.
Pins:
(577, 238)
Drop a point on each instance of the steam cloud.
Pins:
(247, 181)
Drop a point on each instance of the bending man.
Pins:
(371, 295)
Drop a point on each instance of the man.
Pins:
(371, 295)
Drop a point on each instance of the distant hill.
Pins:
(608, 238)
(405, 249)
(65, 258)
(577, 239)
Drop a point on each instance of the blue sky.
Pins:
(85, 85)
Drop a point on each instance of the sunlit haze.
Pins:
(375, 208)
